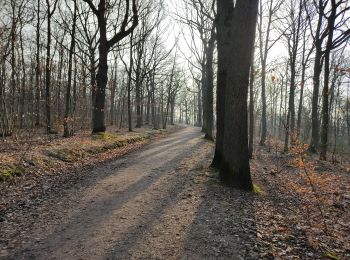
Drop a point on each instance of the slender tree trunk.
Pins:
(204, 86)
(129, 86)
(251, 108)
(210, 87)
(264, 106)
(199, 104)
(68, 113)
(92, 80)
(37, 68)
(112, 97)
(48, 68)
(23, 85)
(138, 94)
(290, 122)
(13, 71)
(304, 62)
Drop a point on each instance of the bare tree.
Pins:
(104, 48)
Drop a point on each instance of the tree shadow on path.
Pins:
(224, 226)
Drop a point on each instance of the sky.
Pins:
(175, 28)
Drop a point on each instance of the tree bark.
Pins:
(325, 92)
(251, 108)
(223, 26)
(68, 131)
(235, 169)
(209, 86)
(48, 66)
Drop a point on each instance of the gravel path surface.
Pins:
(160, 202)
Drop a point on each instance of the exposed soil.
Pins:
(163, 202)
(157, 202)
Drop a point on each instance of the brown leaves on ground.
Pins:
(304, 212)
(23, 162)
(301, 213)
(37, 154)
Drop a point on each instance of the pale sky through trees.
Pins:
(176, 29)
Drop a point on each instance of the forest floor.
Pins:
(164, 202)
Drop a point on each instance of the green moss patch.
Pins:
(330, 255)
(105, 136)
(67, 154)
(257, 189)
(9, 171)
(100, 143)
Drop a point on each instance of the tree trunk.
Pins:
(264, 106)
(251, 108)
(23, 85)
(129, 86)
(101, 78)
(235, 169)
(68, 113)
(112, 97)
(314, 113)
(209, 87)
(204, 96)
(37, 68)
(290, 122)
(325, 93)
(199, 104)
(48, 69)
(223, 27)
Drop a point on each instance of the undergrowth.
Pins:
(9, 171)
(74, 151)
(100, 143)
(257, 189)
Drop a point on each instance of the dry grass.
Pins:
(23, 153)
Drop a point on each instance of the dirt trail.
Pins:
(155, 203)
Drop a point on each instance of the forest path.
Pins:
(155, 203)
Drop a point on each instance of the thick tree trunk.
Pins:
(98, 119)
(325, 93)
(314, 113)
(235, 169)
(315, 135)
(101, 79)
(223, 26)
